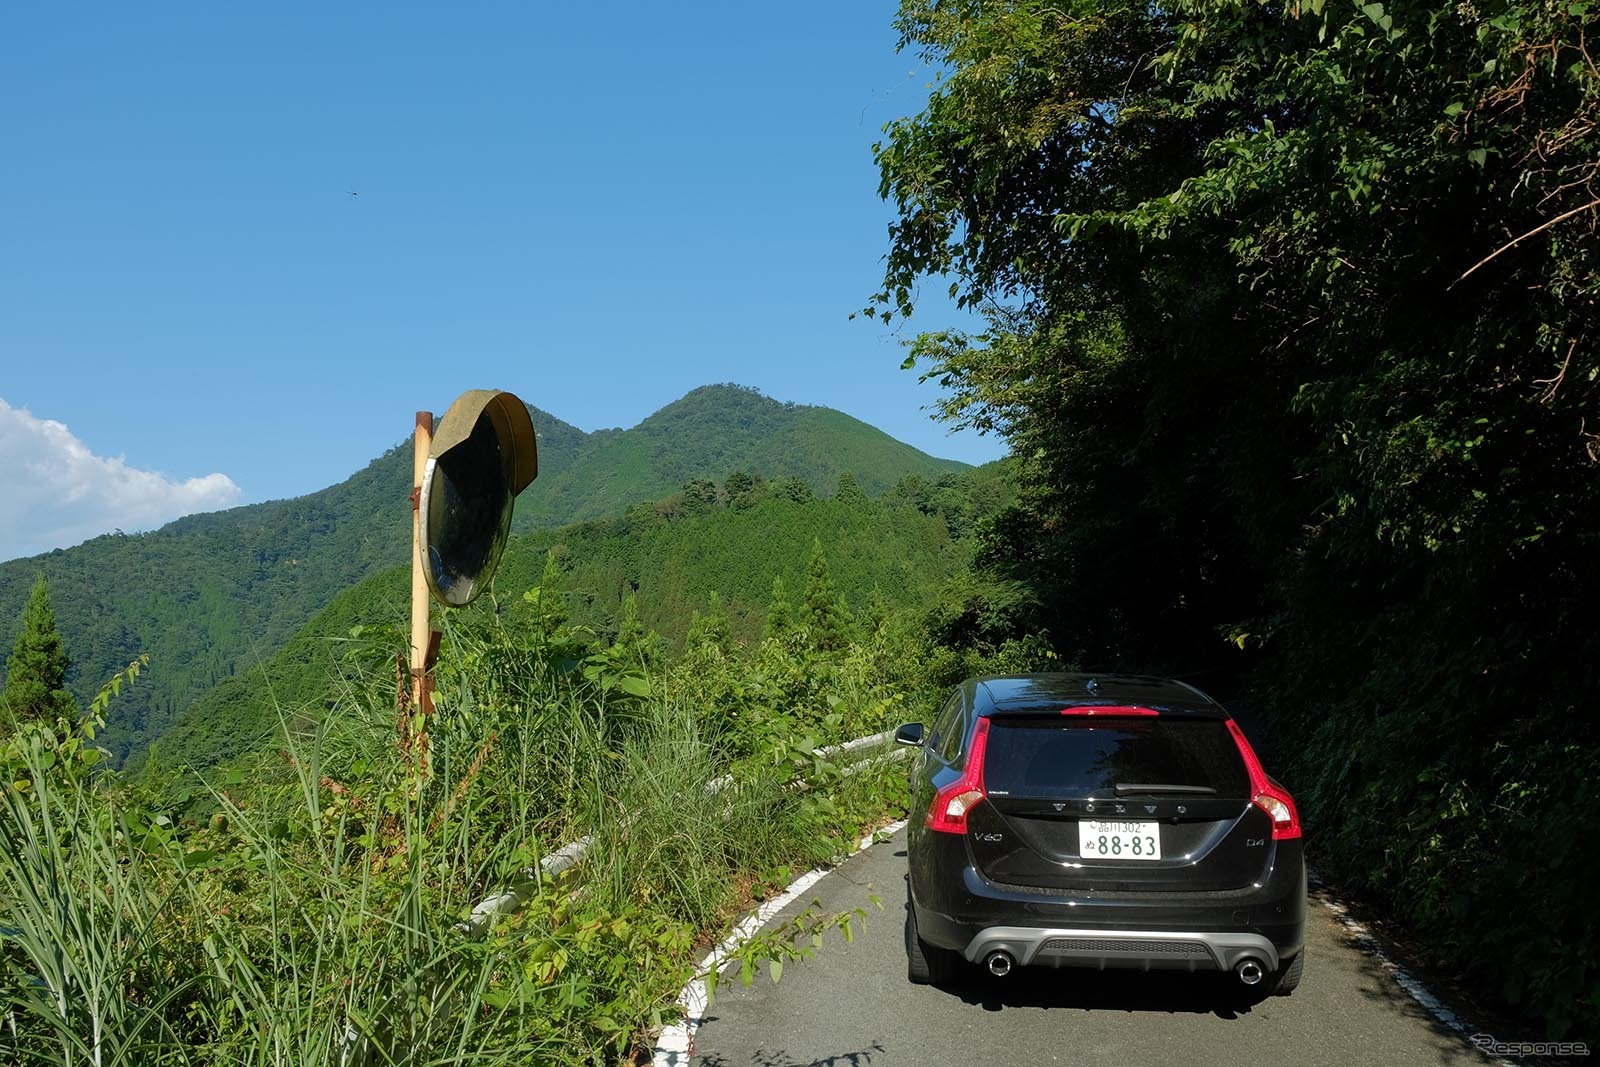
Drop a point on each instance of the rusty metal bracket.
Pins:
(423, 683)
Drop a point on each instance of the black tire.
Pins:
(1288, 976)
(925, 964)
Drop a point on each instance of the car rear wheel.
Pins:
(1288, 976)
(926, 964)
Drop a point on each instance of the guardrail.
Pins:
(355, 1051)
(512, 898)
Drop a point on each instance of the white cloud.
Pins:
(54, 492)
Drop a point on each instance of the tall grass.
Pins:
(310, 909)
(662, 832)
(92, 951)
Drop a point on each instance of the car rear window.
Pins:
(1074, 758)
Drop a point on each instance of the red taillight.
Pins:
(1116, 711)
(1276, 802)
(948, 812)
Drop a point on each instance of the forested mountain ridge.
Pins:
(208, 594)
(898, 551)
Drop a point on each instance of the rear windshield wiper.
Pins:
(1162, 787)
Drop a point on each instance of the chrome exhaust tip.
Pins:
(1250, 971)
(1000, 964)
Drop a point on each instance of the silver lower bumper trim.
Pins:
(1147, 949)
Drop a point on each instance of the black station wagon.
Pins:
(1070, 820)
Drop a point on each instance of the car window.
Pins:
(950, 744)
(1052, 757)
(947, 727)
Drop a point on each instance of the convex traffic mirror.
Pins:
(483, 454)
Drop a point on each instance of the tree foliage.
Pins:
(36, 673)
(710, 627)
(780, 615)
(849, 491)
(1291, 322)
(823, 613)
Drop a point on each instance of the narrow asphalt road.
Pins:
(851, 1006)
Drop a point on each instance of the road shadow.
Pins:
(779, 1058)
(1161, 992)
(1376, 982)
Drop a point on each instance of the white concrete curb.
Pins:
(675, 1046)
(509, 900)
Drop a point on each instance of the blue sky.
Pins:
(597, 208)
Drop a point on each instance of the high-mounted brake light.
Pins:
(948, 812)
(1110, 712)
(1276, 802)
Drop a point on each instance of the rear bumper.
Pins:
(1167, 950)
(1196, 931)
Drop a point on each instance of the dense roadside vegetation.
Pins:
(221, 592)
(314, 911)
(1292, 322)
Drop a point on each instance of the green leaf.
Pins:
(634, 685)
(1455, 108)
(775, 968)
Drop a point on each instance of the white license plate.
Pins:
(1117, 840)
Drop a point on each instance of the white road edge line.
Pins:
(675, 1046)
(1415, 989)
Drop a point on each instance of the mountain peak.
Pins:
(722, 399)
(710, 432)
